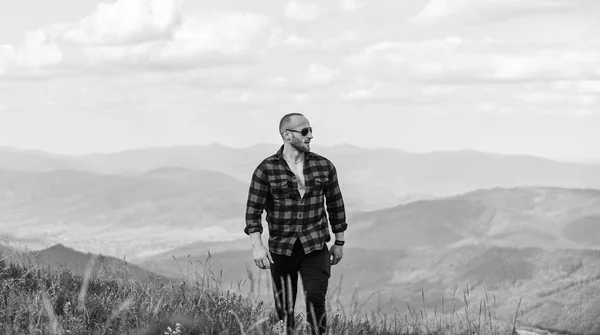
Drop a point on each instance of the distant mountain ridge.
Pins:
(117, 214)
(517, 217)
(436, 174)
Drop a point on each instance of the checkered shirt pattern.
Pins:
(274, 188)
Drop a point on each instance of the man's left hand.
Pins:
(336, 254)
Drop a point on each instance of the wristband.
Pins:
(340, 243)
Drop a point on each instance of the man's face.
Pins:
(297, 141)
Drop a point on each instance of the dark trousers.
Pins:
(315, 270)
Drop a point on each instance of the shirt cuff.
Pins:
(253, 229)
(339, 227)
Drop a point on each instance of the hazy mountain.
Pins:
(398, 171)
(30, 160)
(522, 217)
(370, 178)
(121, 214)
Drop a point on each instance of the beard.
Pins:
(299, 145)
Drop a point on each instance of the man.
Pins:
(293, 187)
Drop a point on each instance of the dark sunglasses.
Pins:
(303, 131)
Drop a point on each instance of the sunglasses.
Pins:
(303, 131)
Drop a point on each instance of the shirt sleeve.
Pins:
(335, 203)
(257, 198)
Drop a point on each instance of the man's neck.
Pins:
(292, 155)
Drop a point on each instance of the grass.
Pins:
(35, 299)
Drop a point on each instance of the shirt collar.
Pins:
(279, 154)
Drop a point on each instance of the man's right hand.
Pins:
(262, 257)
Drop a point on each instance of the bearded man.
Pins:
(300, 193)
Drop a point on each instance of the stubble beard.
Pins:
(300, 146)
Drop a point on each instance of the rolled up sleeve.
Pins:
(257, 198)
(335, 203)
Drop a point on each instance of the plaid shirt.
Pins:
(290, 217)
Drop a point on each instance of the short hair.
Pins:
(286, 120)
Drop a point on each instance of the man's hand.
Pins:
(262, 257)
(337, 252)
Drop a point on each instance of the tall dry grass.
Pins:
(35, 299)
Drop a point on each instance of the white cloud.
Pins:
(351, 5)
(488, 10)
(127, 22)
(552, 98)
(298, 41)
(227, 33)
(457, 59)
(7, 57)
(437, 90)
(38, 50)
(382, 51)
(278, 81)
(142, 33)
(278, 37)
(319, 75)
(432, 12)
(301, 11)
(582, 86)
(358, 95)
(589, 86)
(487, 106)
(347, 36)
(583, 112)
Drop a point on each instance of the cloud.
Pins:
(457, 60)
(300, 11)
(552, 98)
(145, 34)
(582, 112)
(438, 90)
(319, 75)
(351, 5)
(229, 33)
(388, 51)
(298, 41)
(7, 57)
(127, 22)
(433, 11)
(358, 95)
(38, 51)
(484, 11)
(348, 36)
(582, 86)
(277, 37)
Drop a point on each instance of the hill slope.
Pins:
(117, 214)
(60, 257)
(521, 217)
(559, 288)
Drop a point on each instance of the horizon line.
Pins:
(580, 160)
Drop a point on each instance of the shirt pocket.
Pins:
(279, 188)
(320, 184)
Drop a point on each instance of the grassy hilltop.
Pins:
(36, 298)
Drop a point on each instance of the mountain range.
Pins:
(546, 217)
(509, 225)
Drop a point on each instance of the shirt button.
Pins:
(299, 215)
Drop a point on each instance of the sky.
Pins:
(502, 76)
